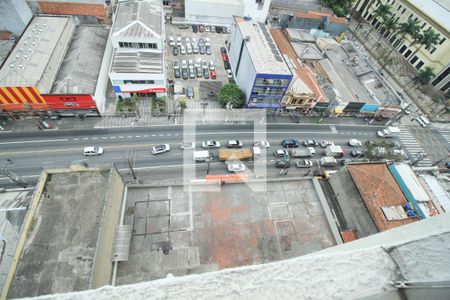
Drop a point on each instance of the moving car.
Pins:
(236, 167)
(262, 144)
(355, 143)
(324, 144)
(282, 164)
(290, 143)
(158, 149)
(234, 144)
(281, 153)
(91, 151)
(307, 143)
(312, 150)
(303, 163)
(187, 146)
(357, 153)
(210, 144)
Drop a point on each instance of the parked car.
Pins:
(303, 163)
(201, 28)
(191, 73)
(207, 28)
(308, 143)
(201, 49)
(158, 149)
(183, 26)
(171, 41)
(183, 50)
(290, 143)
(312, 150)
(91, 151)
(194, 28)
(223, 50)
(225, 57)
(236, 167)
(234, 144)
(184, 73)
(199, 71)
(229, 74)
(262, 144)
(206, 73)
(176, 64)
(195, 49)
(213, 74)
(177, 73)
(44, 125)
(210, 144)
(219, 29)
(190, 92)
(175, 51)
(204, 64)
(213, 28)
(281, 153)
(355, 143)
(212, 66)
(282, 164)
(179, 42)
(357, 153)
(189, 49)
(208, 50)
(187, 145)
(226, 64)
(324, 144)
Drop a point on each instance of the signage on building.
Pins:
(353, 107)
(117, 89)
(70, 101)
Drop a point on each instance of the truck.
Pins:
(328, 161)
(202, 156)
(389, 132)
(241, 154)
(300, 153)
(334, 151)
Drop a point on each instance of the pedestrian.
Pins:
(168, 117)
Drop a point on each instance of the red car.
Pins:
(213, 74)
(224, 57)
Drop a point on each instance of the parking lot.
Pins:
(216, 40)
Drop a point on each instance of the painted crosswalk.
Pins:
(413, 148)
(446, 135)
(408, 120)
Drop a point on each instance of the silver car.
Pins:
(210, 144)
(158, 149)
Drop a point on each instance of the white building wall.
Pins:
(258, 11)
(14, 16)
(246, 73)
(119, 78)
(103, 78)
(212, 12)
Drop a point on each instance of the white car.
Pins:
(188, 41)
(182, 49)
(281, 153)
(187, 146)
(184, 64)
(262, 144)
(229, 74)
(210, 144)
(204, 64)
(324, 144)
(158, 149)
(355, 143)
(198, 62)
(179, 42)
(91, 151)
(207, 28)
(176, 65)
(171, 41)
(194, 41)
(234, 144)
(236, 167)
(189, 49)
(312, 150)
(212, 67)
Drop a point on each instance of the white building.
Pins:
(258, 66)
(137, 36)
(221, 12)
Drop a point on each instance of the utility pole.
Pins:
(13, 177)
(209, 163)
(131, 160)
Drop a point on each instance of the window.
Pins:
(399, 7)
(402, 49)
(423, 25)
(166, 3)
(414, 59)
(410, 16)
(419, 65)
(445, 87)
(433, 50)
(442, 41)
(441, 77)
(407, 53)
(138, 81)
(138, 45)
(403, 11)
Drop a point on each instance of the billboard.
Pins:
(118, 89)
(70, 101)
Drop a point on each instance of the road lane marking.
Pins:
(138, 136)
(85, 138)
(40, 141)
(104, 137)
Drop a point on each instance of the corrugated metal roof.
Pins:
(137, 62)
(439, 191)
(412, 182)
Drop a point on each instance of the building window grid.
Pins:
(441, 77)
(442, 41)
(138, 45)
(138, 82)
(271, 82)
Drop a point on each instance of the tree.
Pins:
(369, 5)
(423, 77)
(429, 38)
(383, 11)
(230, 93)
(182, 105)
(389, 24)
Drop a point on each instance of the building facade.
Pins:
(314, 20)
(138, 64)
(96, 8)
(258, 66)
(430, 14)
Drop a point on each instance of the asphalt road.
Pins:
(30, 152)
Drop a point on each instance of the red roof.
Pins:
(349, 235)
(320, 15)
(378, 188)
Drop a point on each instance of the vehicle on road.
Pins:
(300, 153)
(158, 149)
(190, 92)
(281, 153)
(282, 164)
(234, 144)
(334, 151)
(233, 154)
(324, 144)
(308, 143)
(303, 163)
(328, 161)
(290, 143)
(262, 144)
(187, 145)
(346, 161)
(202, 156)
(92, 151)
(355, 143)
(389, 132)
(188, 49)
(229, 74)
(236, 167)
(210, 144)
(357, 153)
(312, 150)
(423, 121)
(44, 125)
(223, 50)
(183, 26)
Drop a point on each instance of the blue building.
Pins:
(258, 66)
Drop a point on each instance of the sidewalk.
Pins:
(30, 124)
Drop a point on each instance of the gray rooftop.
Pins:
(125, 61)
(138, 18)
(79, 71)
(307, 51)
(34, 61)
(62, 239)
(300, 35)
(264, 53)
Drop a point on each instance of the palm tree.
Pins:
(423, 77)
(361, 16)
(389, 24)
(383, 11)
(429, 38)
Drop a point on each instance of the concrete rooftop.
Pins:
(184, 233)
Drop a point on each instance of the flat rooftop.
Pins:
(125, 61)
(187, 232)
(263, 52)
(138, 19)
(33, 53)
(61, 243)
(79, 71)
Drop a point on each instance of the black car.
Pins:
(290, 143)
(184, 73)
(357, 153)
(219, 29)
(176, 73)
(194, 28)
(206, 73)
(223, 50)
(227, 65)
(175, 51)
(282, 164)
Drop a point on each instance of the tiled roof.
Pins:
(301, 70)
(320, 15)
(378, 188)
(349, 235)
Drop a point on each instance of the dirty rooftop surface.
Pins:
(215, 230)
(62, 238)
